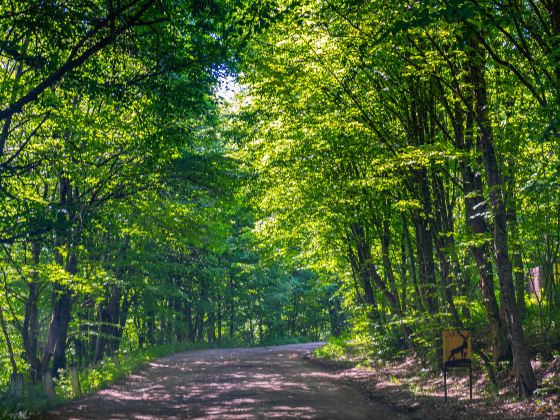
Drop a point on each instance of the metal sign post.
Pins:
(457, 351)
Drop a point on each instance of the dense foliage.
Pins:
(123, 225)
(409, 153)
(388, 169)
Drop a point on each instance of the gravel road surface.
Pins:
(254, 383)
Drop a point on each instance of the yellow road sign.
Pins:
(457, 348)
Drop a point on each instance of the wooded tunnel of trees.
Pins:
(378, 169)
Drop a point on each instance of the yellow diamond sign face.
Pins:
(457, 348)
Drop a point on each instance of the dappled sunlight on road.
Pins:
(225, 384)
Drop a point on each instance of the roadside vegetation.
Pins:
(124, 233)
(380, 171)
(408, 152)
(405, 383)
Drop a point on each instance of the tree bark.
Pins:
(211, 326)
(425, 252)
(525, 375)
(369, 274)
(517, 260)
(411, 263)
(30, 333)
(61, 301)
(179, 320)
(387, 266)
(475, 213)
(359, 243)
(6, 335)
(444, 240)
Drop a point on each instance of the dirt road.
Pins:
(268, 382)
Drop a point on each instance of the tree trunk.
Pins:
(113, 318)
(58, 328)
(444, 240)
(100, 338)
(363, 259)
(475, 211)
(123, 316)
(388, 267)
(198, 324)
(518, 270)
(425, 252)
(150, 327)
(191, 332)
(219, 326)
(411, 263)
(6, 335)
(368, 273)
(61, 301)
(231, 309)
(520, 282)
(179, 320)
(117, 307)
(30, 331)
(404, 278)
(525, 375)
(64, 304)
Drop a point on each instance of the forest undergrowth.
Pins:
(405, 381)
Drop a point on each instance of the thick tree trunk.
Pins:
(525, 375)
(475, 209)
(63, 302)
(63, 310)
(56, 339)
(475, 213)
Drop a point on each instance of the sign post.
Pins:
(457, 353)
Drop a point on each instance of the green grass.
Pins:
(335, 349)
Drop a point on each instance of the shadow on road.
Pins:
(269, 382)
